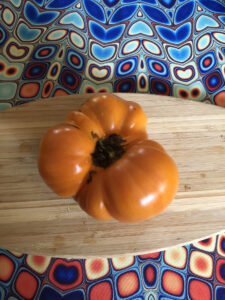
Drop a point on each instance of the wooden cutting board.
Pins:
(36, 221)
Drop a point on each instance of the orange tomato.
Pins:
(101, 156)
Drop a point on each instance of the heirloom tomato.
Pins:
(102, 157)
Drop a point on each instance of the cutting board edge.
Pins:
(87, 96)
(109, 256)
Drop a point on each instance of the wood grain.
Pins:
(35, 221)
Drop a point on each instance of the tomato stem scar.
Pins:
(108, 150)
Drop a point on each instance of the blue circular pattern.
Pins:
(75, 60)
(35, 70)
(54, 70)
(125, 85)
(69, 79)
(207, 62)
(160, 87)
(213, 81)
(44, 52)
(65, 275)
(150, 275)
(158, 67)
(126, 67)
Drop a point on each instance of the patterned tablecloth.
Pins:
(194, 271)
(59, 47)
